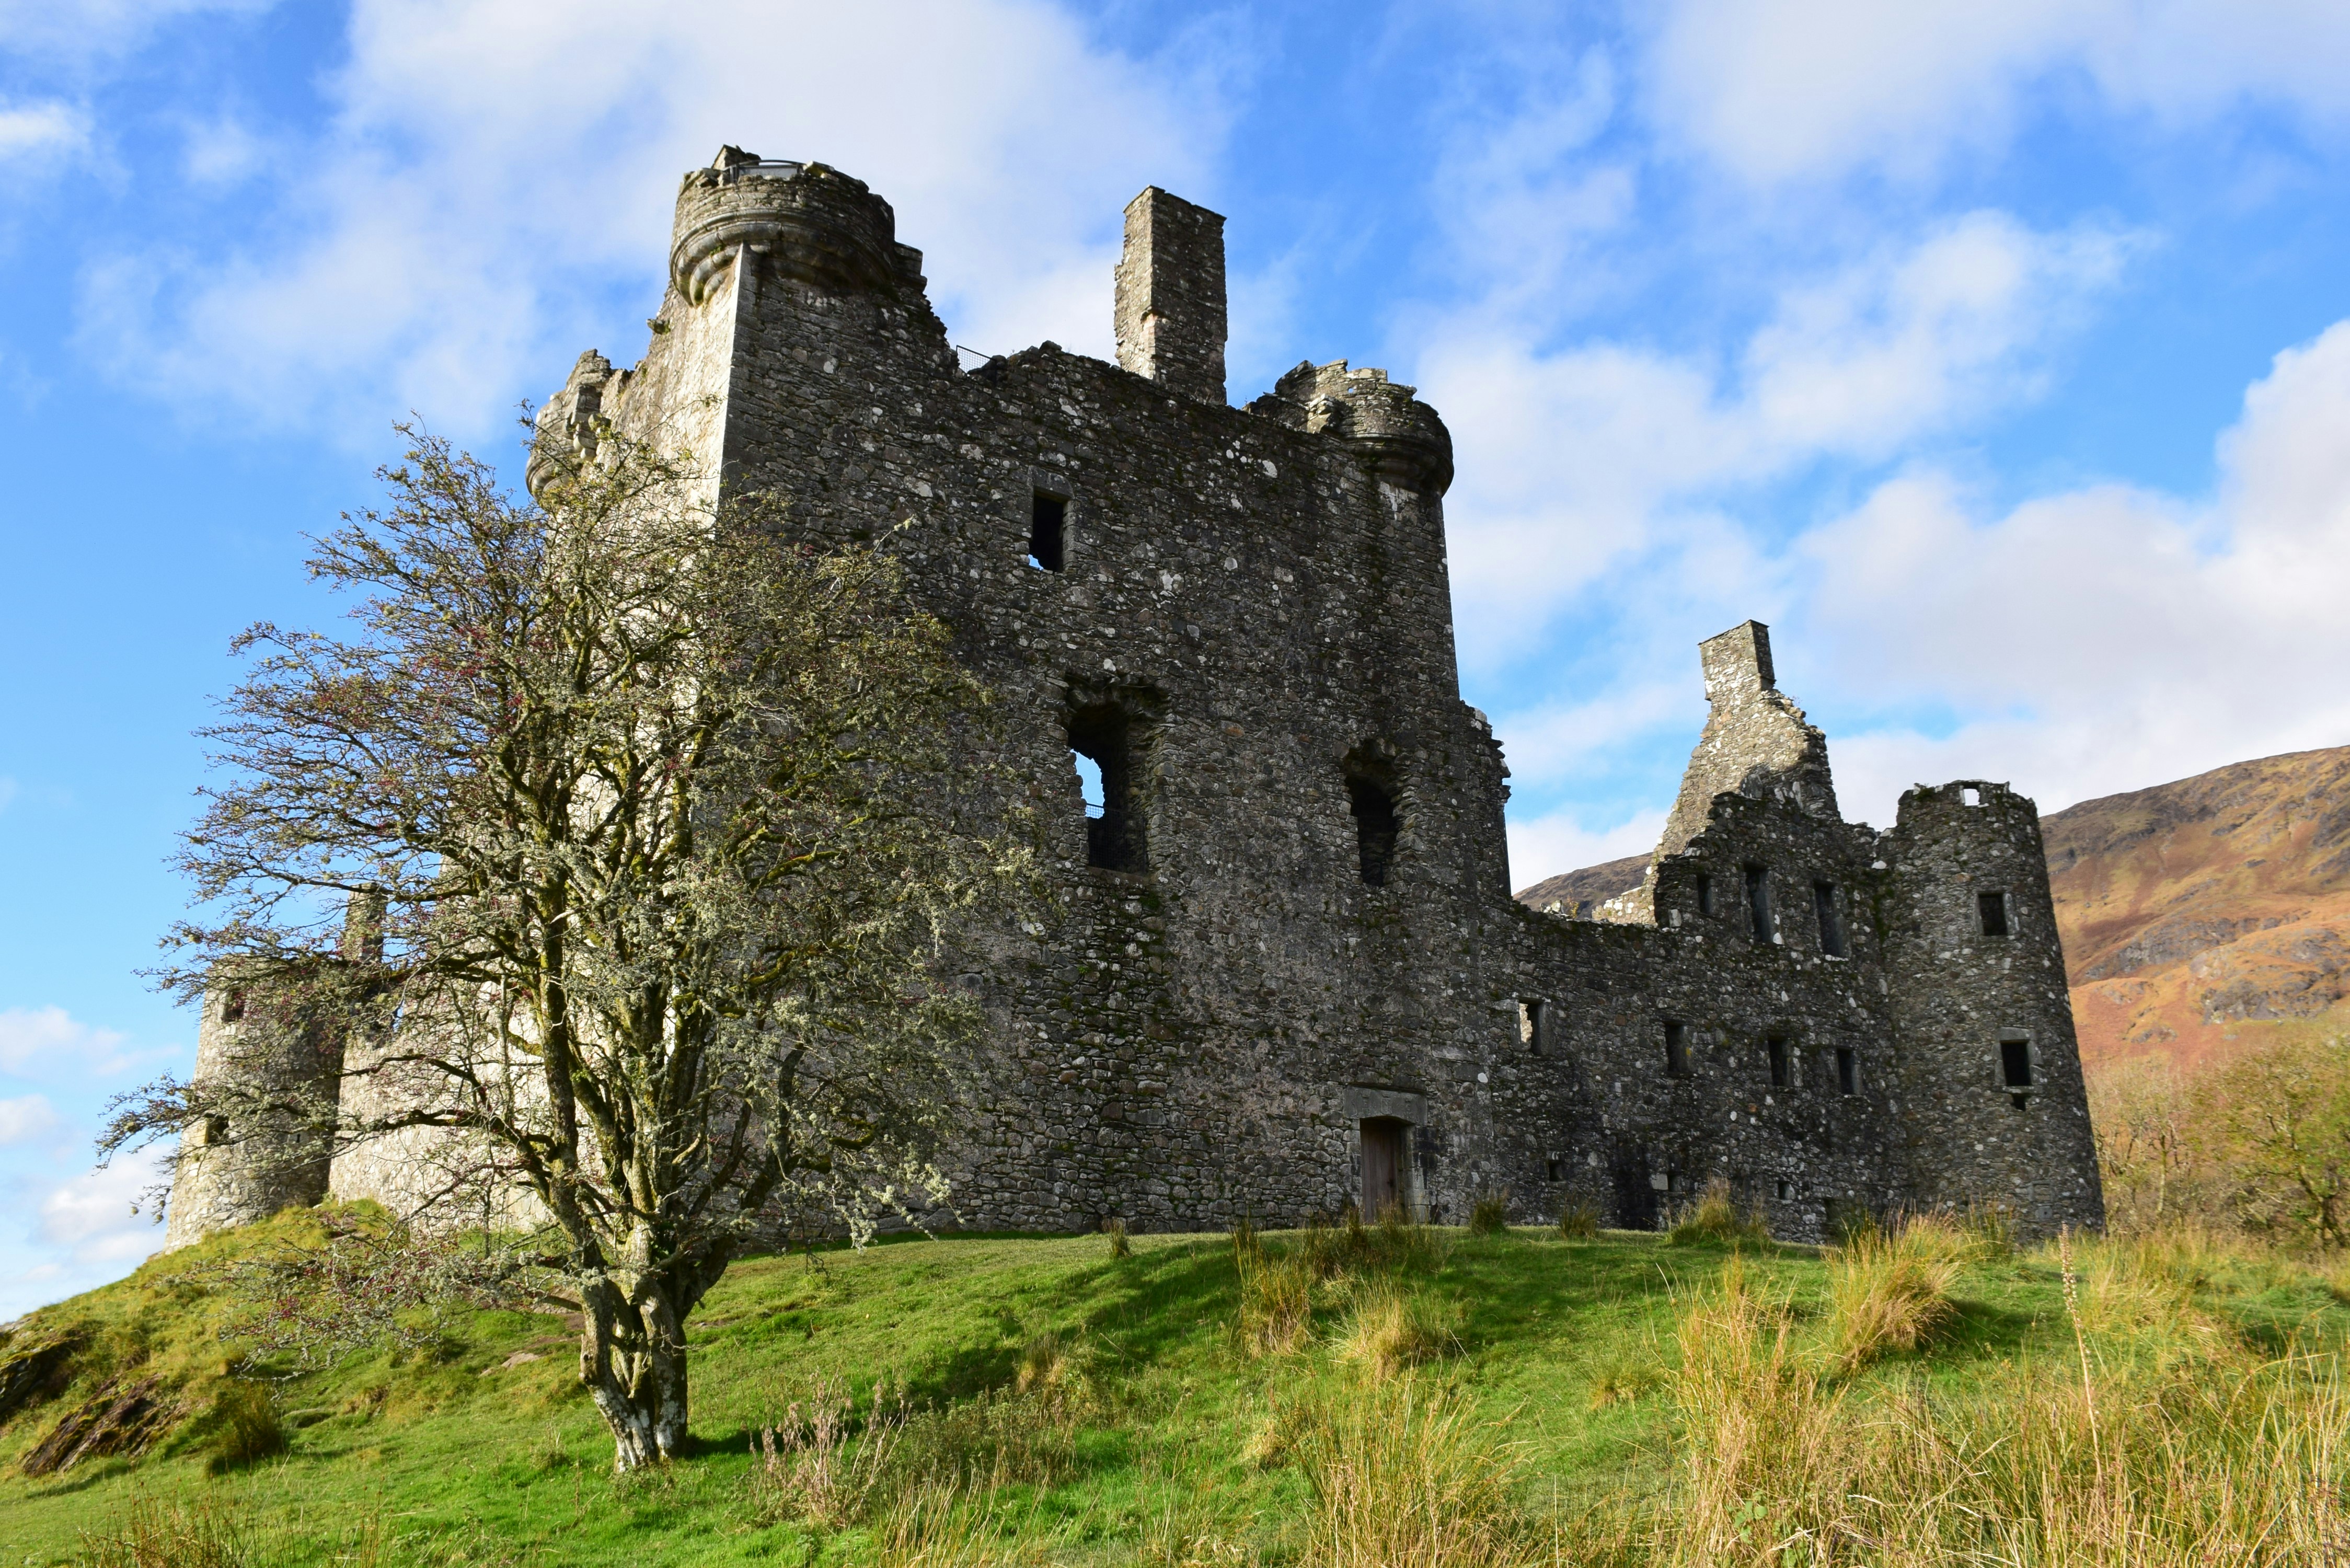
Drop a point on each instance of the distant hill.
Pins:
(2187, 909)
(2192, 908)
(1592, 885)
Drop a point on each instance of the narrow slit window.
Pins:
(1823, 902)
(1705, 896)
(2015, 1064)
(1533, 1018)
(1765, 929)
(1994, 913)
(1677, 1056)
(1049, 532)
(1101, 747)
(1783, 1062)
(1376, 826)
(1848, 1071)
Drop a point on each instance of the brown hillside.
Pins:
(2186, 909)
(2191, 908)
(1592, 885)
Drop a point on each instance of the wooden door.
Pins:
(1382, 1166)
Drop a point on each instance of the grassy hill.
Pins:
(1620, 1397)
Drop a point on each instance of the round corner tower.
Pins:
(1989, 1069)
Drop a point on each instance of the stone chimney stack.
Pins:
(1170, 295)
(1737, 663)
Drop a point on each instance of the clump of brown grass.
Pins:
(947, 1524)
(1890, 1293)
(155, 1535)
(1403, 1476)
(1715, 1218)
(1489, 1215)
(1115, 1229)
(1578, 1222)
(819, 1462)
(1276, 1308)
(1391, 1329)
(1274, 1440)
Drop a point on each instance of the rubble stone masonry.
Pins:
(1287, 939)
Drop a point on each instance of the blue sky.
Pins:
(1996, 352)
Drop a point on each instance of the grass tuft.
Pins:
(1578, 1222)
(1489, 1214)
(248, 1427)
(1890, 1294)
(1392, 1329)
(1715, 1220)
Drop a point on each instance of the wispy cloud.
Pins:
(41, 128)
(101, 1216)
(25, 1118)
(50, 1042)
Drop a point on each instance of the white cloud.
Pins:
(78, 29)
(48, 128)
(90, 1218)
(448, 240)
(1774, 90)
(1573, 464)
(25, 1118)
(1544, 847)
(2105, 638)
(48, 1041)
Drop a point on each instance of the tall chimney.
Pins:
(1170, 295)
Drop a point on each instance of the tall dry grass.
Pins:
(1889, 1291)
(1715, 1218)
(1404, 1475)
(1392, 1328)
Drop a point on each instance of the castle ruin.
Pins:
(1287, 974)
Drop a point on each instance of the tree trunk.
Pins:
(632, 1360)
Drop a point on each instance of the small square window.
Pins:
(1970, 796)
(1848, 1071)
(2015, 1064)
(232, 1006)
(1554, 1170)
(1786, 1189)
(1676, 1055)
(1993, 909)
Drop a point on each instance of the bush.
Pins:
(1489, 1214)
(1578, 1222)
(247, 1427)
(1714, 1218)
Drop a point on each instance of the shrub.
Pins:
(1714, 1218)
(1890, 1294)
(247, 1427)
(1489, 1214)
(1391, 1329)
(1578, 1222)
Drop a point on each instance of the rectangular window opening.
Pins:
(1705, 896)
(1677, 1056)
(1101, 746)
(1993, 906)
(232, 1006)
(1823, 902)
(1049, 532)
(1532, 1014)
(1377, 828)
(1970, 796)
(2015, 1064)
(1848, 1071)
(1783, 1062)
(1758, 905)
(1554, 1170)
(1786, 1190)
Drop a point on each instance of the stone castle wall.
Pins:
(1289, 937)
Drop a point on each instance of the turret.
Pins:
(807, 221)
(1398, 439)
(1990, 1090)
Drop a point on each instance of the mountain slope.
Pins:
(2192, 908)
(1592, 885)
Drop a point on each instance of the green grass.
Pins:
(1150, 1432)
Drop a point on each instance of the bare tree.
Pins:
(654, 827)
